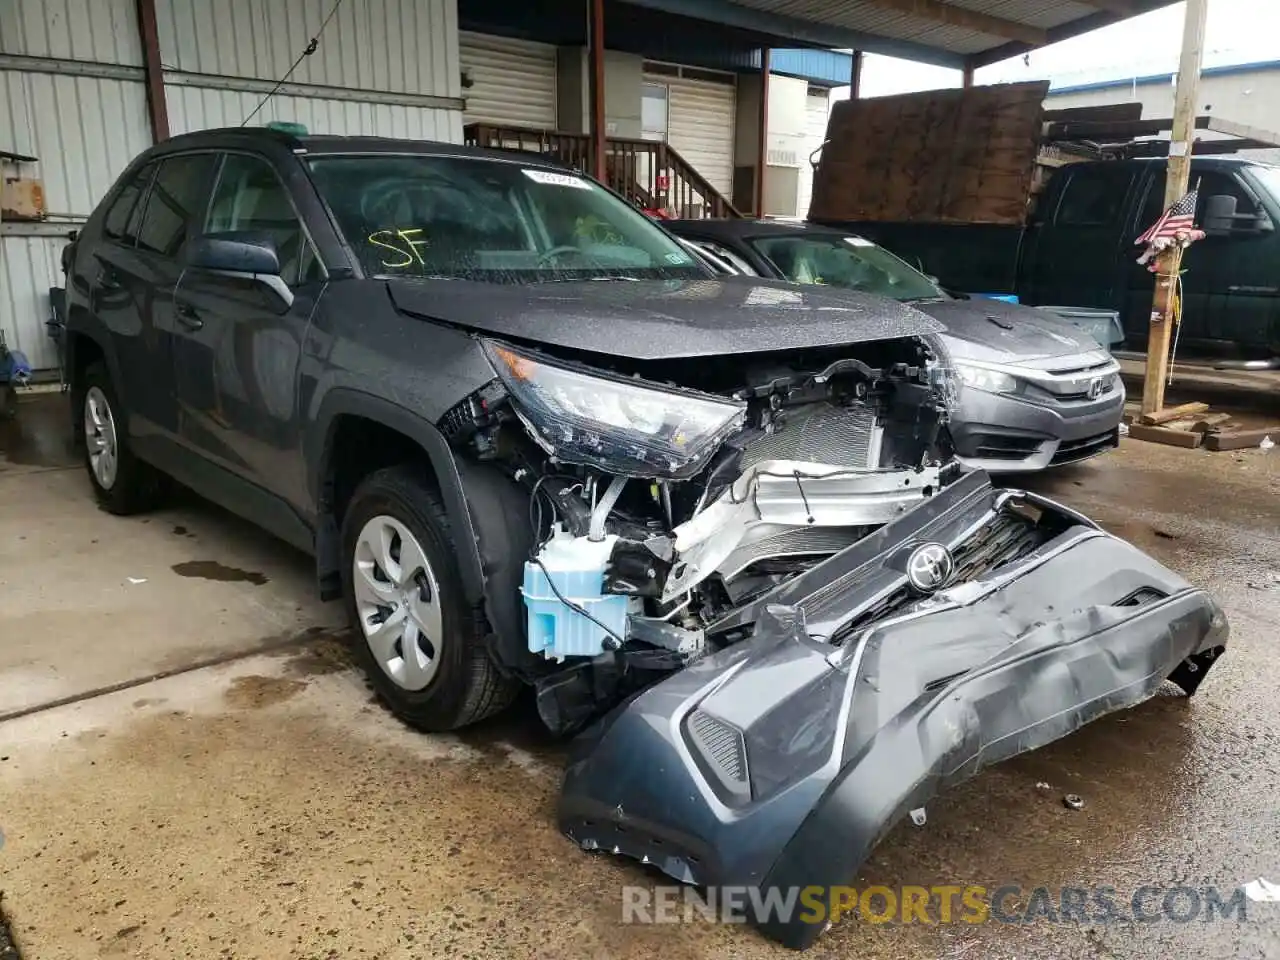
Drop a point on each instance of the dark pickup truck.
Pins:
(1078, 249)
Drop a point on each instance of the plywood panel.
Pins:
(943, 156)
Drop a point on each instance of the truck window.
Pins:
(1094, 196)
(1211, 183)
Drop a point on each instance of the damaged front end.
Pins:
(659, 510)
(777, 763)
(790, 615)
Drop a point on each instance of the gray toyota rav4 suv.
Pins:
(530, 440)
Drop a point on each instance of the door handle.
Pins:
(188, 316)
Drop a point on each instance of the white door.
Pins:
(513, 82)
(817, 106)
(700, 126)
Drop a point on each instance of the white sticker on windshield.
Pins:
(677, 258)
(858, 242)
(557, 179)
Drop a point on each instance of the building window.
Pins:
(654, 98)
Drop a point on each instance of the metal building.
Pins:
(74, 95)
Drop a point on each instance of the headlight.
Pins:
(981, 378)
(625, 427)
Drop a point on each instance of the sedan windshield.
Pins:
(490, 220)
(849, 262)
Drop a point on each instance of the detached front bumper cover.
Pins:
(779, 762)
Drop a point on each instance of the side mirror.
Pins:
(241, 254)
(1219, 215)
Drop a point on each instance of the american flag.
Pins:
(1177, 219)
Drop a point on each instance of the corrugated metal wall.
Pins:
(83, 128)
(222, 58)
(102, 31)
(29, 266)
(196, 108)
(401, 46)
(71, 93)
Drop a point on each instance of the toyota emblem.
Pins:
(930, 567)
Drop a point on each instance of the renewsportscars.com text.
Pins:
(938, 904)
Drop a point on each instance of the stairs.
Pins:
(649, 173)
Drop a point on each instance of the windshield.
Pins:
(849, 262)
(476, 219)
(1270, 177)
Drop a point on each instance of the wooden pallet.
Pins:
(1191, 425)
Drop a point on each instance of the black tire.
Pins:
(137, 486)
(467, 686)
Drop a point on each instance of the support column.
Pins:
(855, 76)
(153, 70)
(966, 79)
(762, 156)
(595, 88)
(1160, 333)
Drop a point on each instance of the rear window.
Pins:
(176, 204)
(1094, 196)
(116, 223)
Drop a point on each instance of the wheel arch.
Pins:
(320, 447)
(488, 512)
(82, 348)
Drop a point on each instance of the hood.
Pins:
(663, 319)
(1002, 332)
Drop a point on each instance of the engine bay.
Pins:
(658, 507)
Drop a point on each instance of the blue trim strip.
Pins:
(1163, 78)
(821, 67)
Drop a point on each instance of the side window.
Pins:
(121, 214)
(176, 203)
(1094, 196)
(250, 198)
(727, 255)
(1211, 183)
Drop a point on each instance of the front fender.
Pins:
(488, 513)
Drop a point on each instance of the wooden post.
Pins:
(1160, 333)
(762, 156)
(855, 76)
(595, 84)
(153, 70)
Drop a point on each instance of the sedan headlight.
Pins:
(983, 378)
(626, 427)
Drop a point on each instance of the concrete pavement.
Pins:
(265, 807)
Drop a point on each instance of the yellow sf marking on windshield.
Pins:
(409, 250)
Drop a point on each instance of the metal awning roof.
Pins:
(953, 33)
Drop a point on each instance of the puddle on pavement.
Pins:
(212, 570)
(330, 654)
(39, 436)
(255, 692)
